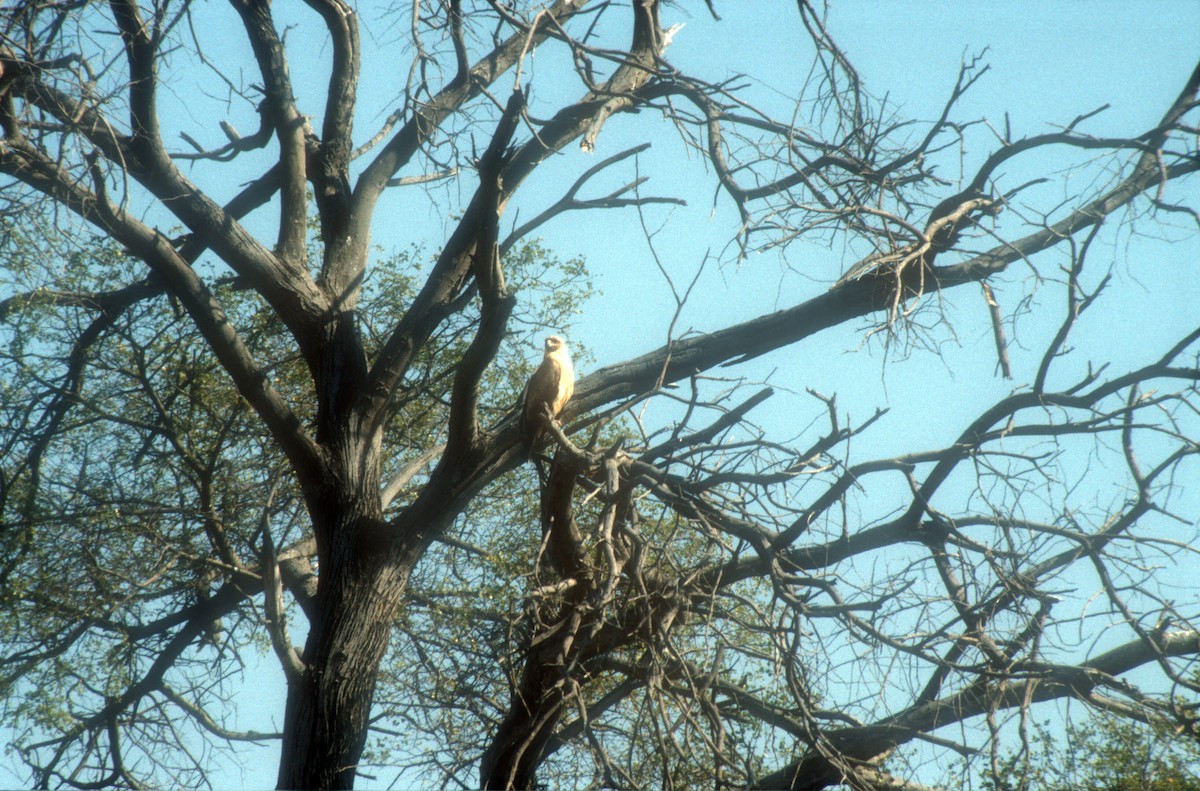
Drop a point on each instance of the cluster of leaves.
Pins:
(1105, 754)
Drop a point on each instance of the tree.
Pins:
(221, 422)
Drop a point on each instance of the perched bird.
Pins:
(550, 386)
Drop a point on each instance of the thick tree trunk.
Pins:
(329, 705)
(362, 573)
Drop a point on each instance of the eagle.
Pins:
(550, 386)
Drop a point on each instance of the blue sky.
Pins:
(1049, 62)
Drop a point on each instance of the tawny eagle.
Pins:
(550, 386)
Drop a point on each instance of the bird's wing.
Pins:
(542, 387)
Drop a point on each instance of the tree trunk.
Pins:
(329, 705)
(518, 746)
(362, 575)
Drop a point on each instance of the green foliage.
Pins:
(1104, 754)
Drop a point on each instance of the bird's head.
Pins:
(554, 343)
